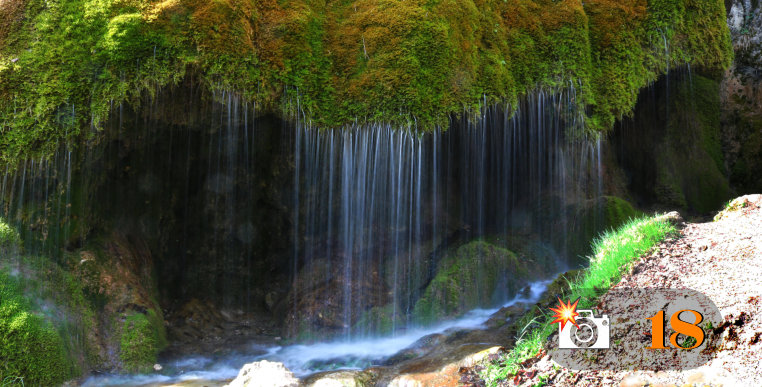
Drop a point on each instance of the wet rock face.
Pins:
(741, 97)
(675, 120)
(200, 327)
(479, 274)
(745, 23)
(129, 330)
(204, 190)
(317, 304)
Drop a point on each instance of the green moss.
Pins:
(405, 62)
(618, 212)
(30, 347)
(379, 320)
(143, 337)
(690, 161)
(477, 274)
(596, 216)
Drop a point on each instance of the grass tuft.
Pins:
(614, 253)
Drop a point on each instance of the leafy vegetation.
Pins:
(614, 253)
(9, 237)
(65, 63)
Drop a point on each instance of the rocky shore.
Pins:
(720, 259)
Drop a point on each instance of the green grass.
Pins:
(614, 253)
(12, 381)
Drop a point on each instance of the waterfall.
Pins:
(374, 204)
(342, 223)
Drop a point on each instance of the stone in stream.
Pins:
(421, 347)
(342, 379)
(506, 314)
(264, 374)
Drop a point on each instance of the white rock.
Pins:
(264, 374)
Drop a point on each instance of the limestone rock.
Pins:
(739, 207)
(673, 217)
(264, 374)
(342, 379)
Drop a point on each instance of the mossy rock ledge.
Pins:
(63, 67)
(477, 274)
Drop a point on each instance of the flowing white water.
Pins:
(374, 206)
(364, 213)
(309, 358)
(367, 352)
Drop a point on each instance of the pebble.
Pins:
(633, 380)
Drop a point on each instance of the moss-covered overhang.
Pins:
(65, 63)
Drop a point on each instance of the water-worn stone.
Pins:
(506, 315)
(264, 374)
(441, 374)
(342, 379)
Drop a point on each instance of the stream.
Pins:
(306, 359)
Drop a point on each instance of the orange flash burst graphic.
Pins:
(565, 313)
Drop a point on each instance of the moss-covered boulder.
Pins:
(96, 308)
(591, 218)
(116, 275)
(379, 320)
(617, 211)
(477, 274)
(142, 338)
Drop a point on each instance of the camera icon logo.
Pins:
(589, 332)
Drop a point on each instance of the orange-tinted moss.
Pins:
(412, 61)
